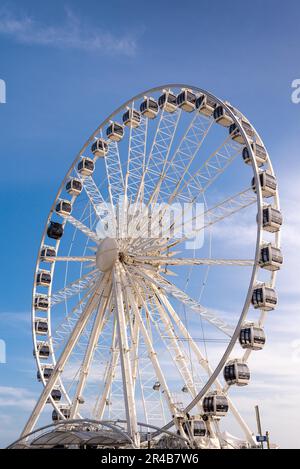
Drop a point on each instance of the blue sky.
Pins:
(67, 65)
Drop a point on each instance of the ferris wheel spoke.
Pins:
(124, 355)
(109, 376)
(156, 162)
(60, 364)
(166, 260)
(185, 154)
(189, 190)
(93, 340)
(200, 357)
(189, 302)
(114, 175)
(182, 158)
(86, 281)
(72, 259)
(202, 361)
(63, 329)
(223, 210)
(136, 157)
(95, 197)
(210, 170)
(130, 288)
(159, 152)
(172, 343)
(183, 330)
(83, 228)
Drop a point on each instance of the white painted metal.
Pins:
(158, 168)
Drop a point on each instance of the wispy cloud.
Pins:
(72, 34)
(16, 397)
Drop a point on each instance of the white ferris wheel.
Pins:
(155, 275)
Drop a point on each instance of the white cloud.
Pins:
(72, 34)
(17, 398)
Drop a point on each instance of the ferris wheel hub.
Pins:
(107, 254)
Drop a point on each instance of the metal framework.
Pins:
(125, 324)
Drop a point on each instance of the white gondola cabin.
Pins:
(47, 371)
(41, 302)
(236, 135)
(149, 108)
(267, 182)
(156, 386)
(272, 219)
(264, 297)
(42, 350)
(115, 131)
(74, 186)
(236, 372)
(185, 389)
(270, 257)
(260, 154)
(48, 254)
(43, 278)
(64, 208)
(66, 412)
(215, 405)
(222, 117)
(56, 395)
(55, 230)
(194, 427)
(168, 101)
(41, 326)
(186, 100)
(252, 337)
(99, 148)
(132, 118)
(205, 105)
(86, 166)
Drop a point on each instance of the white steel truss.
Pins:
(125, 324)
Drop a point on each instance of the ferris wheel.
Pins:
(156, 272)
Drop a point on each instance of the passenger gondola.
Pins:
(48, 254)
(132, 118)
(272, 219)
(215, 404)
(205, 105)
(186, 100)
(236, 372)
(149, 108)
(55, 230)
(264, 297)
(74, 186)
(64, 208)
(43, 278)
(270, 257)
(41, 326)
(168, 101)
(115, 131)
(252, 337)
(41, 302)
(99, 148)
(222, 117)
(267, 182)
(260, 154)
(86, 166)
(236, 135)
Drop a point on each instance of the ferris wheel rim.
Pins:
(259, 222)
